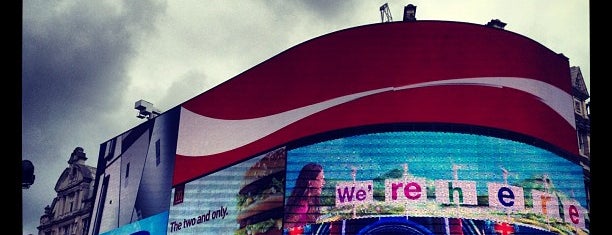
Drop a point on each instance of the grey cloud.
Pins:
(191, 84)
(328, 9)
(74, 63)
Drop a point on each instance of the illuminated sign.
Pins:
(461, 129)
(147, 226)
(433, 72)
(245, 198)
(423, 176)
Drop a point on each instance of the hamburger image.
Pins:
(261, 195)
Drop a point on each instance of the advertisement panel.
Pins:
(428, 182)
(146, 226)
(134, 175)
(246, 198)
(425, 72)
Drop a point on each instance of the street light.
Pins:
(27, 174)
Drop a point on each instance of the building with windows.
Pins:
(582, 105)
(70, 211)
(581, 110)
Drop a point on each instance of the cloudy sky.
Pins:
(85, 63)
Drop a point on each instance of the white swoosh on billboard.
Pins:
(200, 135)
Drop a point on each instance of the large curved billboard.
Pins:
(432, 72)
(425, 127)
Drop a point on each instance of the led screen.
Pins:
(246, 198)
(147, 226)
(431, 183)
(406, 182)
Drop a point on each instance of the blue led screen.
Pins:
(442, 177)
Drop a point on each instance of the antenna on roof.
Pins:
(385, 13)
(146, 109)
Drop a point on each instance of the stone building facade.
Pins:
(70, 211)
(582, 114)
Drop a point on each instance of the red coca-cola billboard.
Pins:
(423, 72)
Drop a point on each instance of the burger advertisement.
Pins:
(260, 199)
(243, 199)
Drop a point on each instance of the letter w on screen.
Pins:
(354, 192)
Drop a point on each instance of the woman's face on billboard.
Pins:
(316, 185)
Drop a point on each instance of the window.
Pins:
(77, 201)
(69, 203)
(110, 149)
(85, 226)
(582, 144)
(578, 106)
(127, 175)
(65, 205)
(157, 153)
(73, 174)
(66, 229)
